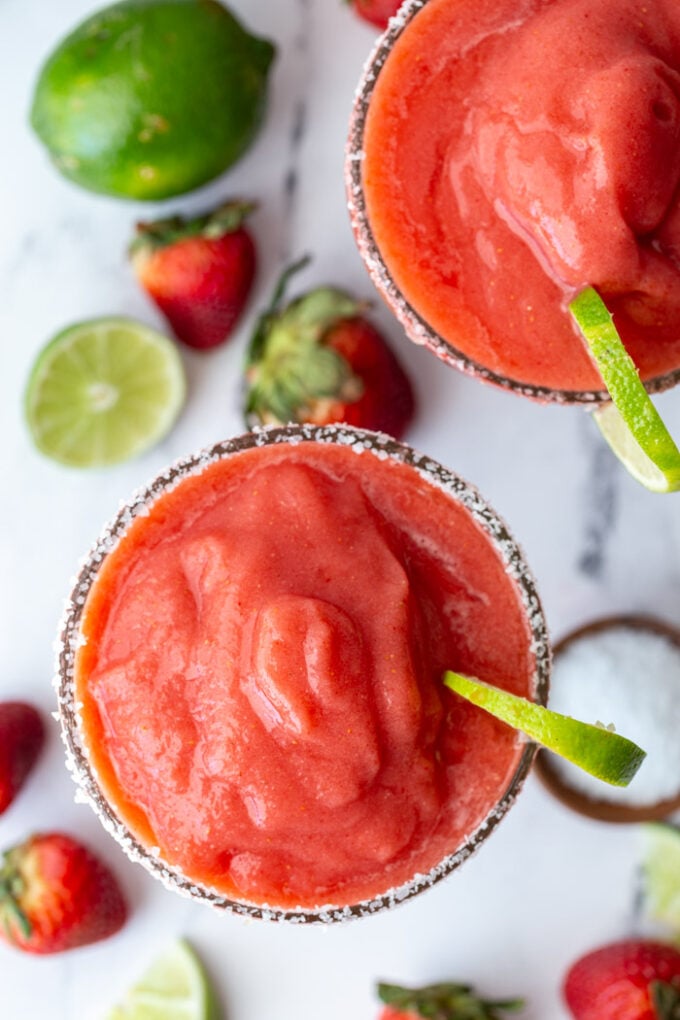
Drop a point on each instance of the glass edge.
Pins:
(415, 326)
(77, 759)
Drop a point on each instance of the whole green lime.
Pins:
(151, 98)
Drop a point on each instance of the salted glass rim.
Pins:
(415, 326)
(69, 640)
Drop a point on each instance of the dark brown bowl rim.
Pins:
(602, 810)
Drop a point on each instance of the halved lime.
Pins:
(661, 869)
(631, 424)
(594, 748)
(175, 987)
(104, 391)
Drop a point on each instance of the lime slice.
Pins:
(595, 749)
(104, 391)
(631, 424)
(174, 987)
(151, 98)
(631, 454)
(661, 869)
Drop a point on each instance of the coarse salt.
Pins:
(629, 677)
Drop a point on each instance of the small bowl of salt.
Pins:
(622, 670)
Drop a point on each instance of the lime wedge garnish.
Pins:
(595, 749)
(174, 987)
(104, 391)
(631, 424)
(662, 873)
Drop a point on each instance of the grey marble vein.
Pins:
(601, 501)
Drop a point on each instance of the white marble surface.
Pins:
(549, 884)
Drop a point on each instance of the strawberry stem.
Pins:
(282, 283)
(259, 336)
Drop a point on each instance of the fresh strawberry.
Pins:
(21, 740)
(56, 895)
(198, 272)
(319, 360)
(377, 12)
(631, 980)
(441, 1002)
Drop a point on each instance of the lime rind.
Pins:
(661, 873)
(174, 987)
(600, 752)
(104, 391)
(619, 437)
(631, 425)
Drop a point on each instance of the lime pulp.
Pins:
(175, 987)
(104, 391)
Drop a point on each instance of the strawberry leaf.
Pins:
(11, 887)
(289, 368)
(447, 1001)
(665, 999)
(318, 310)
(293, 374)
(163, 232)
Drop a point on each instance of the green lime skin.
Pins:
(152, 98)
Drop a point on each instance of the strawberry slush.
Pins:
(260, 670)
(517, 151)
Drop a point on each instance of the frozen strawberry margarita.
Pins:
(258, 663)
(507, 154)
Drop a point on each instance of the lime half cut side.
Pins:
(631, 424)
(104, 391)
(661, 870)
(175, 987)
(593, 748)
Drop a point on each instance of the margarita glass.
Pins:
(293, 596)
(479, 127)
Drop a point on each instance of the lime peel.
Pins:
(631, 424)
(593, 748)
(147, 99)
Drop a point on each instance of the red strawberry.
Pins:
(377, 12)
(21, 740)
(55, 895)
(441, 1002)
(198, 272)
(631, 980)
(319, 360)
